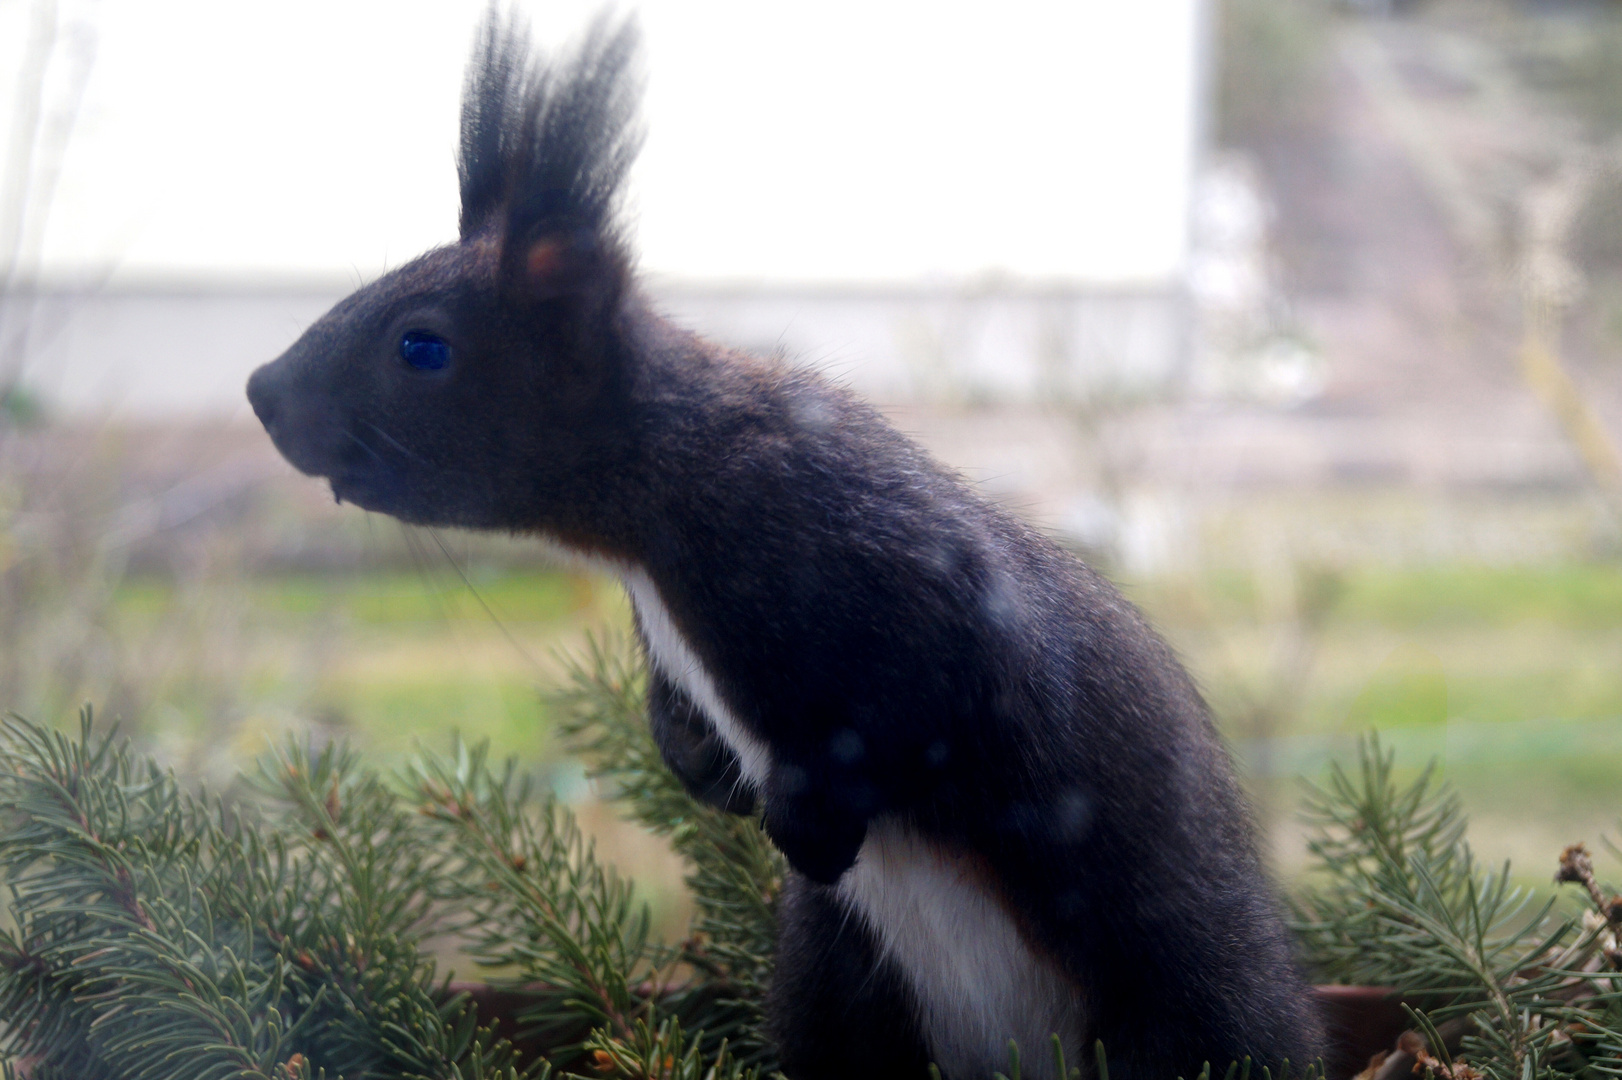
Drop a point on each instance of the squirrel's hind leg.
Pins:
(838, 1008)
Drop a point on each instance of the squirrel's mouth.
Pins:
(374, 488)
(414, 498)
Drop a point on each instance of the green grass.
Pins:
(382, 659)
(396, 714)
(1522, 598)
(392, 599)
(1415, 647)
(398, 655)
(1510, 676)
(1423, 597)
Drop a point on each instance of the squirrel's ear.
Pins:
(562, 265)
(547, 260)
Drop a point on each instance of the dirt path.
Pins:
(1397, 231)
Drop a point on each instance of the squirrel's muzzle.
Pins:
(306, 427)
(263, 397)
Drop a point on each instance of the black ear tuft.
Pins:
(493, 98)
(546, 142)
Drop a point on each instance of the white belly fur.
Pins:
(977, 982)
(670, 651)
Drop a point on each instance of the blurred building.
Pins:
(162, 352)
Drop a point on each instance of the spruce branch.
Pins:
(157, 933)
(537, 902)
(1402, 904)
(663, 1052)
(154, 933)
(733, 872)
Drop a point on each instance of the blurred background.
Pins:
(1301, 319)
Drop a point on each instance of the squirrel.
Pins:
(1005, 807)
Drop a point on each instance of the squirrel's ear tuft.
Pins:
(546, 144)
(493, 97)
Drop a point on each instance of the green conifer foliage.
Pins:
(159, 934)
(734, 872)
(1524, 989)
(285, 933)
(152, 932)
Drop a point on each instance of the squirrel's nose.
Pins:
(262, 395)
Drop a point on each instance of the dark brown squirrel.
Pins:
(1005, 806)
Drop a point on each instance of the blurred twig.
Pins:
(1550, 283)
(42, 123)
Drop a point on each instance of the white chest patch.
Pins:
(978, 983)
(670, 651)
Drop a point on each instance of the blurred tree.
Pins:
(1595, 77)
(57, 56)
(1271, 60)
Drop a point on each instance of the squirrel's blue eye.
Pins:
(424, 351)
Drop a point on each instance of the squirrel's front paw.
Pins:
(819, 827)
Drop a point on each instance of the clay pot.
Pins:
(1361, 1021)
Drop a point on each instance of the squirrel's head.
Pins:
(457, 388)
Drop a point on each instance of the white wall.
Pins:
(817, 140)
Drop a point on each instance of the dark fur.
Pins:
(903, 647)
(839, 1009)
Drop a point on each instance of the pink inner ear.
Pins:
(545, 258)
